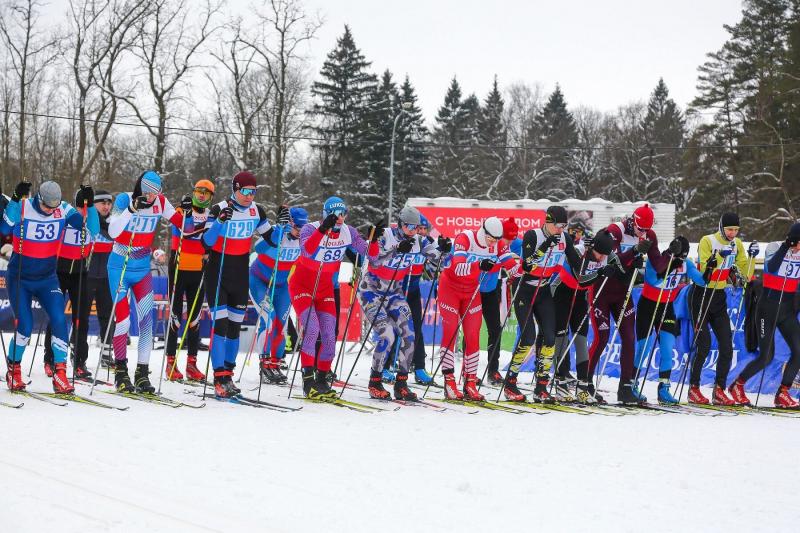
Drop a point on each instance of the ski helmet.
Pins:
(493, 227)
(299, 216)
(643, 217)
(684, 246)
(208, 186)
(244, 180)
(50, 194)
(510, 229)
(603, 242)
(334, 205)
(556, 214)
(409, 216)
(728, 220)
(794, 234)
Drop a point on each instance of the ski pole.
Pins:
(657, 333)
(653, 318)
(76, 313)
(216, 303)
(35, 347)
(741, 300)
(19, 280)
(698, 326)
(502, 328)
(583, 320)
(373, 321)
(187, 325)
(355, 282)
(771, 345)
(268, 326)
(455, 333)
(111, 319)
(170, 297)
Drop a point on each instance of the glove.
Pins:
(405, 246)
(725, 252)
(487, 264)
(588, 242)
(552, 240)
(753, 249)
(445, 244)
(328, 223)
(638, 261)
(186, 204)
(674, 248)
(283, 215)
(711, 263)
(22, 189)
(609, 270)
(225, 214)
(376, 230)
(85, 195)
(643, 246)
(736, 278)
(138, 203)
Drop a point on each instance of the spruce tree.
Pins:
(557, 135)
(493, 157)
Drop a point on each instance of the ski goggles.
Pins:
(248, 191)
(411, 226)
(203, 191)
(339, 212)
(560, 225)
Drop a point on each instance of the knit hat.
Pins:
(102, 195)
(510, 229)
(603, 242)
(794, 234)
(728, 220)
(50, 194)
(643, 217)
(556, 214)
(244, 179)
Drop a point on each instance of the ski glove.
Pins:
(138, 203)
(186, 204)
(376, 230)
(725, 252)
(548, 242)
(22, 189)
(283, 215)
(675, 248)
(328, 224)
(643, 246)
(487, 264)
(85, 195)
(225, 214)
(711, 263)
(609, 270)
(753, 249)
(445, 244)
(638, 261)
(588, 242)
(405, 246)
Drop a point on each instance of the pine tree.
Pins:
(493, 156)
(664, 130)
(557, 135)
(411, 152)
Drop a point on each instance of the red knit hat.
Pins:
(243, 179)
(643, 217)
(510, 229)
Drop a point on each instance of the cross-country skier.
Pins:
(36, 225)
(322, 248)
(133, 225)
(656, 306)
(97, 278)
(383, 300)
(230, 227)
(476, 254)
(571, 308)
(415, 303)
(775, 308)
(725, 249)
(544, 251)
(633, 237)
(188, 282)
(269, 290)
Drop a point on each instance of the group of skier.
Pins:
(562, 282)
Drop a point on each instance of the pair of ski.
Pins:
(62, 400)
(346, 404)
(751, 410)
(153, 398)
(405, 403)
(250, 402)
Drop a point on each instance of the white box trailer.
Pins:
(452, 215)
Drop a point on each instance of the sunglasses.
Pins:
(203, 190)
(561, 225)
(410, 226)
(247, 191)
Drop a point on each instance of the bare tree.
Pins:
(31, 50)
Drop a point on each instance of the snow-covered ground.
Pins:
(235, 468)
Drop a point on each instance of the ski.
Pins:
(89, 381)
(539, 407)
(193, 383)
(709, 408)
(239, 401)
(735, 409)
(774, 411)
(491, 406)
(155, 399)
(338, 403)
(12, 405)
(368, 406)
(40, 397)
(244, 400)
(340, 385)
(83, 399)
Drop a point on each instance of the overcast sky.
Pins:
(604, 53)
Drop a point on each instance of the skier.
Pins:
(572, 306)
(383, 300)
(36, 225)
(544, 251)
(322, 248)
(230, 227)
(656, 306)
(415, 303)
(269, 290)
(97, 276)
(633, 237)
(775, 309)
(71, 268)
(476, 255)
(726, 249)
(132, 225)
(188, 282)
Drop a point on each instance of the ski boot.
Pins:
(540, 394)
(122, 381)
(510, 389)
(387, 376)
(172, 372)
(584, 393)
(61, 384)
(376, 389)
(783, 400)
(192, 372)
(422, 377)
(451, 391)
(48, 368)
(495, 378)
(106, 357)
(596, 395)
(401, 390)
(270, 371)
(628, 394)
(141, 380)
(223, 383)
(14, 377)
(471, 392)
(720, 398)
(664, 395)
(323, 385)
(736, 391)
(564, 387)
(311, 388)
(82, 373)
(230, 367)
(696, 396)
